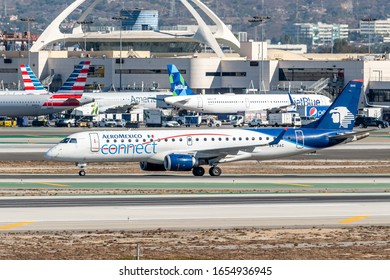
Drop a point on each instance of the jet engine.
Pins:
(179, 162)
(147, 166)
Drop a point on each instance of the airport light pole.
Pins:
(260, 20)
(120, 19)
(28, 20)
(85, 22)
(369, 20)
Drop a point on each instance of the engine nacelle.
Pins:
(147, 166)
(179, 162)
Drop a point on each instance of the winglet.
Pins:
(289, 97)
(179, 86)
(280, 137)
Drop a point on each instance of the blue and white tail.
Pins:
(77, 80)
(179, 86)
(342, 112)
(31, 82)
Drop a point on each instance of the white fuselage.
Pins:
(36, 105)
(234, 103)
(153, 146)
(121, 102)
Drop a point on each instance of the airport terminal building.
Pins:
(135, 54)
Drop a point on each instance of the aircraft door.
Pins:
(189, 141)
(300, 140)
(247, 103)
(200, 102)
(94, 141)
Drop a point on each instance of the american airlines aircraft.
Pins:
(184, 98)
(188, 150)
(104, 102)
(36, 101)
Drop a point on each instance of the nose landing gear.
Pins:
(81, 165)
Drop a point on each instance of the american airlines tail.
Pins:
(30, 80)
(77, 80)
(341, 114)
(75, 84)
(179, 87)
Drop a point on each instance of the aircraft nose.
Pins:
(52, 153)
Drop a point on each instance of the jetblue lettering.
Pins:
(306, 101)
(181, 87)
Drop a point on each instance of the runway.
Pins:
(190, 212)
(329, 204)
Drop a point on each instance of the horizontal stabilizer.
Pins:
(357, 135)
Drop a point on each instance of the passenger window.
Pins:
(107, 141)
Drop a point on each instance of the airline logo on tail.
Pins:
(31, 82)
(342, 116)
(179, 86)
(77, 80)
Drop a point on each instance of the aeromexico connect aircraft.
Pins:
(184, 98)
(36, 101)
(186, 150)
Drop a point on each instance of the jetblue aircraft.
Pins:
(184, 98)
(186, 150)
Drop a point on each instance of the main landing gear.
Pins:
(81, 165)
(213, 171)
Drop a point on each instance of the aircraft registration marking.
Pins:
(353, 219)
(11, 226)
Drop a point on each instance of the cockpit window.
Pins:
(65, 140)
(69, 140)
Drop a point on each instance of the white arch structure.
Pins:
(204, 35)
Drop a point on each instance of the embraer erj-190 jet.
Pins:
(186, 150)
(34, 103)
(184, 98)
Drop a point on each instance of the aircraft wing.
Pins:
(117, 108)
(234, 153)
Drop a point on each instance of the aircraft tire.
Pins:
(82, 172)
(198, 171)
(215, 171)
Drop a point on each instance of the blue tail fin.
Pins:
(341, 114)
(179, 86)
